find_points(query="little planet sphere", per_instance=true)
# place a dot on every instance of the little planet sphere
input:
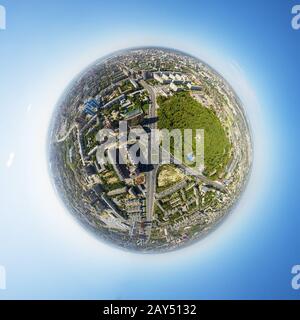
(149, 148)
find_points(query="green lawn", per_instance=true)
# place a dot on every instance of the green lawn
(181, 111)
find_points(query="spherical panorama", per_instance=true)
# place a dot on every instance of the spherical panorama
(149, 148)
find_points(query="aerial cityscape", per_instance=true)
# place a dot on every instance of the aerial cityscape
(112, 185)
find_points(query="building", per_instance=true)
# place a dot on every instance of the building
(118, 162)
(172, 76)
(134, 191)
(126, 104)
(114, 101)
(162, 77)
(99, 167)
(134, 117)
(90, 170)
(165, 77)
(80, 120)
(116, 192)
(111, 205)
(140, 179)
(158, 78)
(146, 75)
(112, 222)
(93, 151)
(179, 79)
(132, 94)
(194, 87)
(136, 157)
(134, 83)
(91, 107)
(173, 87)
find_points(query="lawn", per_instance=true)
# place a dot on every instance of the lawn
(167, 176)
(181, 111)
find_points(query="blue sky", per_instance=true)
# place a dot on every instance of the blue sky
(46, 254)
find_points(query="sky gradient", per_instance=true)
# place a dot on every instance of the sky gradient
(47, 254)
